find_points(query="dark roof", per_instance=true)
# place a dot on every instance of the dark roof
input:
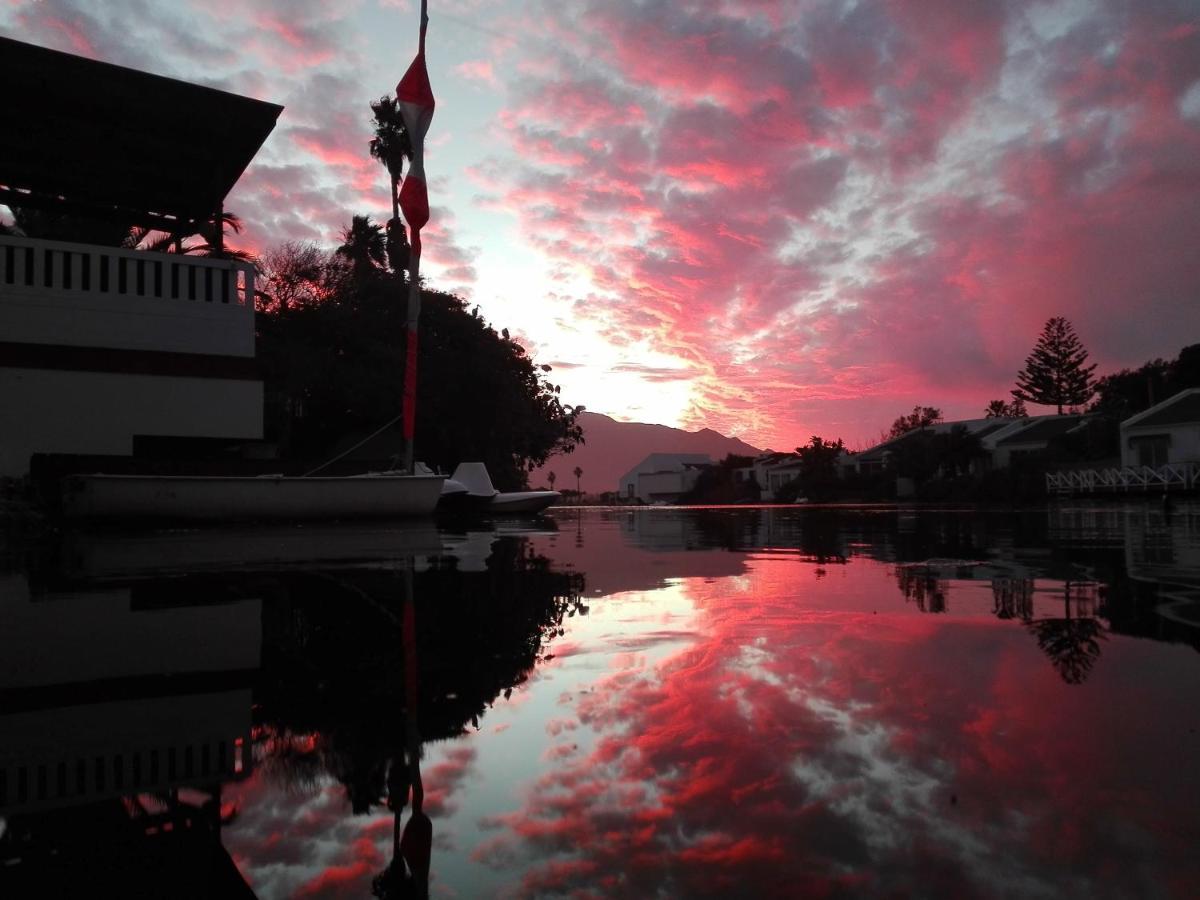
(1043, 430)
(1184, 407)
(96, 139)
(996, 426)
(880, 450)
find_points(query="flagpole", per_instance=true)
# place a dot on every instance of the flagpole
(410, 354)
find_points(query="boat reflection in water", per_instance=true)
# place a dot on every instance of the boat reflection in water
(146, 677)
(757, 702)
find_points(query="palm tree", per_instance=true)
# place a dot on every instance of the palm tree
(211, 233)
(362, 245)
(578, 475)
(551, 477)
(391, 146)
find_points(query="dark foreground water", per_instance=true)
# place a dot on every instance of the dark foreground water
(606, 702)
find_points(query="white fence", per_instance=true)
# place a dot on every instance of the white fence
(53, 292)
(29, 265)
(1173, 476)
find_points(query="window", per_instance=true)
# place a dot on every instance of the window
(1151, 449)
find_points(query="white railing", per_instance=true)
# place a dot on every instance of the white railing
(1181, 476)
(107, 773)
(35, 266)
(85, 295)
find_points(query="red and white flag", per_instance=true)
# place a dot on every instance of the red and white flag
(415, 99)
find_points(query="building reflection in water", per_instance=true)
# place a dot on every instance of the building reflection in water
(142, 676)
(122, 714)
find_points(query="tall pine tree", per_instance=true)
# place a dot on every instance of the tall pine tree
(1054, 373)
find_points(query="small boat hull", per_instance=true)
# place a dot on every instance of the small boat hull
(217, 498)
(469, 492)
(523, 502)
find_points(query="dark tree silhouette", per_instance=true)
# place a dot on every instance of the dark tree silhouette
(920, 417)
(331, 371)
(998, 409)
(294, 275)
(818, 478)
(362, 245)
(578, 475)
(1055, 373)
(213, 244)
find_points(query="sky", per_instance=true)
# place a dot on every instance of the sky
(773, 219)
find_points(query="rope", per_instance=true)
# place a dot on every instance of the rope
(348, 450)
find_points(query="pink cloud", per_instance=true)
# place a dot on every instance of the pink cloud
(479, 70)
(794, 213)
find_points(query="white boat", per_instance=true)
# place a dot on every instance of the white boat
(470, 490)
(219, 498)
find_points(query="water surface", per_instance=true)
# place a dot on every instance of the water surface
(610, 702)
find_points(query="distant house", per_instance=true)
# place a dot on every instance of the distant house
(1166, 433)
(1003, 440)
(877, 458)
(663, 477)
(1029, 437)
(770, 471)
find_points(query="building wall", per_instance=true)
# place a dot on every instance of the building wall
(1184, 442)
(98, 344)
(665, 485)
(56, 411)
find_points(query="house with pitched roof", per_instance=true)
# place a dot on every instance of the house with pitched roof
(1003, 440)
(663, 477)
(1025, 438)
(1166, 433)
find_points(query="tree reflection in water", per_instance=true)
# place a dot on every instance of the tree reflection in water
(360, 667)
(1071, 643)
(922, 587)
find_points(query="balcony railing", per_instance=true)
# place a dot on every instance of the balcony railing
(1178, 476)
(84, 295)
(29, 265)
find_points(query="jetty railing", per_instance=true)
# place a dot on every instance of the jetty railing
(1181, 476)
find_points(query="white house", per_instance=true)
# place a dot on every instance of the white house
(1168, 432)
(104, 351)
(663, 477)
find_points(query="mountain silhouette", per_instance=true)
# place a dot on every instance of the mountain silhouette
(612, 448)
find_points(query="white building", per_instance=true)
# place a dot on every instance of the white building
(771, 471)
(1168, 432)
(105, 351)
(663, 477)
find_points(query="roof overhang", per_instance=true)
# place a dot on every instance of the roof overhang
(95, 139)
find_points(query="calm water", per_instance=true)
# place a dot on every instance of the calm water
(751, 702)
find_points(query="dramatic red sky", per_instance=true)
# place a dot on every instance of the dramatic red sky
(772, 219)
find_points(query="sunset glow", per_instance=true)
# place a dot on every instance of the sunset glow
(770, 219)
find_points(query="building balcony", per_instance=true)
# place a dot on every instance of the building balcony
(80, 295)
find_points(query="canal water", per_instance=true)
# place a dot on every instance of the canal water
(609, 702)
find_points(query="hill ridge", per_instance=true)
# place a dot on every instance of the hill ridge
(611, 448)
